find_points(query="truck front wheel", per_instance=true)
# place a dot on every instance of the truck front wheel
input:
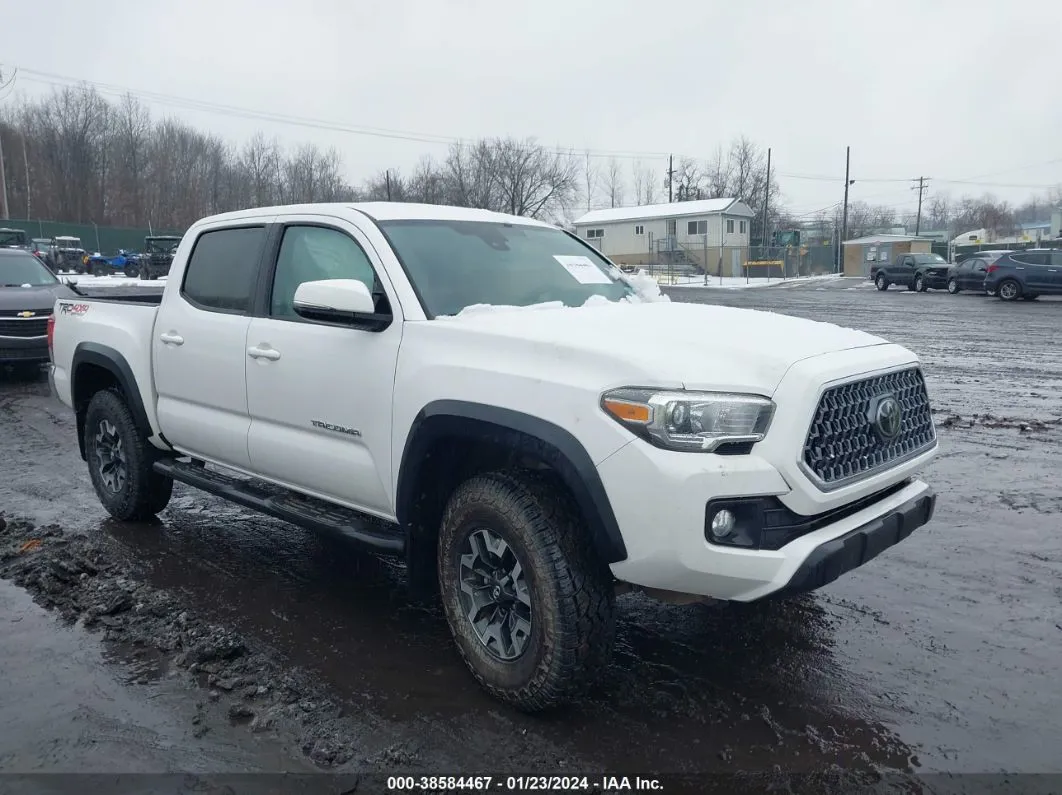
(530, 606)
(120, 460)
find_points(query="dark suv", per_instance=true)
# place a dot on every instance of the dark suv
(1025, 274)
(969, 272)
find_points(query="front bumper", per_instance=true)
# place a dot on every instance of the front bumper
(936, 281)
(23, 349)
(831, 559)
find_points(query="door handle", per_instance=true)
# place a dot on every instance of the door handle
(263, 353)
(171, 339)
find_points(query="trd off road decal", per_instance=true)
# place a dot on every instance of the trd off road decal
(73, 309)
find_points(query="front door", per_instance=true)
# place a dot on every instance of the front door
(200, 343)
(319, 394)
(972, 274)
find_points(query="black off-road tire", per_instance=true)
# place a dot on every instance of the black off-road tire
(144, 492)
(920, 284)
(132, 271)
(571, 590)
(881, 282)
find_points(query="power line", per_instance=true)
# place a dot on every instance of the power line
(65, 81)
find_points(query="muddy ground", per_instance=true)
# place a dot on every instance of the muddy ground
(217, 640)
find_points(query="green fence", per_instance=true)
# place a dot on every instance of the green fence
(105, 239)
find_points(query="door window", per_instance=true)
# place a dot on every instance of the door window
(222, 269)
(1056, 259)
(314, 253)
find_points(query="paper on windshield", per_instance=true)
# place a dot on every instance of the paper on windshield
(582, 269)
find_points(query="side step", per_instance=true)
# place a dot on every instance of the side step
(281, 503)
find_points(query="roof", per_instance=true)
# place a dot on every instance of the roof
(379, 211)
(670, 210)
(862, 241)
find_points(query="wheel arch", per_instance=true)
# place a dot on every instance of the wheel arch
(96, 367)
(450, 440)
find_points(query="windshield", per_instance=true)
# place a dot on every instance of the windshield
(24, 269)
(161, 245)
(929, 259)
(68, 242)
(458, 264)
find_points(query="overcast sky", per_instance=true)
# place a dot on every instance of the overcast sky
(950, 89)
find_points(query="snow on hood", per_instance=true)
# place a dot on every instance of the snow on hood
(700, 346)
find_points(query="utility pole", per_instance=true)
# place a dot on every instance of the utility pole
(25, 165)
(670, 178)
(3, 185)
(387, 177)
(766, 198)
(3, 179)
(844, 216)
(921, 187)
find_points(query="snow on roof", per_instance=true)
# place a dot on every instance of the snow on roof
(671, 210)
(885, 239)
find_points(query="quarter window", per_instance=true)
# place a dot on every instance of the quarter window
(222, 270)
(315, 253)
(1031, 258)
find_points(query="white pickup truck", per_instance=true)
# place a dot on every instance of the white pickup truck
(488, 396)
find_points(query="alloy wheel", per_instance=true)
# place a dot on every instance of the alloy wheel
(494, 594)
(110, 457)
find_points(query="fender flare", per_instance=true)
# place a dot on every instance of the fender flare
(109, 359)
(559, 448)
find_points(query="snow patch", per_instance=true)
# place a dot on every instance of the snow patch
(646, 287)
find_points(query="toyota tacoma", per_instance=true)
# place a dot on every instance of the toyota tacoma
(533, 430)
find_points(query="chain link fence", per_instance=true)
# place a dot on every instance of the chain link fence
(105, 239)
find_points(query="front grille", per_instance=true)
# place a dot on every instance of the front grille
(31, 327)
(843, 445)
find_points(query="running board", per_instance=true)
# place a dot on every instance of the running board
(290, 506)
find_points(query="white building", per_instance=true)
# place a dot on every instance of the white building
(711, 230)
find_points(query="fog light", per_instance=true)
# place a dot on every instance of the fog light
(722, 524)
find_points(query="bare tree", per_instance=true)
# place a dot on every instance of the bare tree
(590, 179)
(614, 183)
(532, 180)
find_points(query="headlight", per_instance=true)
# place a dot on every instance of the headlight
(690, 421)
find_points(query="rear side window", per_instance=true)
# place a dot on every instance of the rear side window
(222, 270)
(1056, 259)
(1030, 258)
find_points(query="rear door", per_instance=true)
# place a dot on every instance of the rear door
(1035, 270)
(320, 394)
(200, 345)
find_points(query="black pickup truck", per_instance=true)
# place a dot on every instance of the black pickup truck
(918, 272)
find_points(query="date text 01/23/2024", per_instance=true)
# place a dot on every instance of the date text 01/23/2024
(441, 784)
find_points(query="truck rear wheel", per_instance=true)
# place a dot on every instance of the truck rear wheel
(120, 460)
(530, 606)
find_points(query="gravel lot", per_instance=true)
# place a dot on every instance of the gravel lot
(218, 640)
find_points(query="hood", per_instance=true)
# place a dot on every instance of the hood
(34, 299)
(697, 346)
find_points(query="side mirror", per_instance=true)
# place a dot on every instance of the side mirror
(67, 281)
(345, 301)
